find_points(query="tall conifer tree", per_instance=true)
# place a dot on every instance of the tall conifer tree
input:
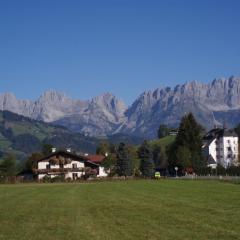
(146, 160)
(186, 150)
(124, 163)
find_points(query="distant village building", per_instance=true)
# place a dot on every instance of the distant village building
(68, 165)
(220, 146)
(173, 132)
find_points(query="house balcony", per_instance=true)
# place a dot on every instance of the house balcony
(57, 170)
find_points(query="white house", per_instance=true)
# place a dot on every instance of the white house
(68, 165)
(220, 146)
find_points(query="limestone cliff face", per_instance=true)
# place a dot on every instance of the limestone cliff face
(99, 116)
(211, 104)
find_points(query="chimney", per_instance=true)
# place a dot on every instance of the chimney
(68, 149)
(54, 150)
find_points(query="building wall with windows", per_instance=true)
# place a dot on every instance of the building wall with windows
(222, 146)
(65, 164)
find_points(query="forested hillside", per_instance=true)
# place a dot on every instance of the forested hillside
(21, 136)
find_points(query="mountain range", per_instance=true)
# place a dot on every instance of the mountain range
(212, 104)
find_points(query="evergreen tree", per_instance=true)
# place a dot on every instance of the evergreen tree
(9, 166)
(124, 163)
(183, 157)
(146, 160)
(103, 148)
(163, 131)
(190, 134)
(186, 151)
(47, 149)
(159, 157)
(32, 161)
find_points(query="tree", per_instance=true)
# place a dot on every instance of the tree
(109, 151)
(146, 160)
(124, 163)
(103, 148)
(186, 151)
(9, 166)
(190, 134)
(32, 161)
(163, 131)
(47, 149)
(183, 157)
(135, 160)
(159, 157)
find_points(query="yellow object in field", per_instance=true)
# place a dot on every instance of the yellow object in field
(157, 175)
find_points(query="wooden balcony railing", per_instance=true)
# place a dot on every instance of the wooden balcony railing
(58, 170)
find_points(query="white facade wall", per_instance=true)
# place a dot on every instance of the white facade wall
(224, 150)
(212, 150)
(102, 172)
(42, 165)
(70, 174)
(41, 176)
(230, 151)
(75, 164)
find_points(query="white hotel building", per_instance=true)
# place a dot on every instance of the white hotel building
(220, 146)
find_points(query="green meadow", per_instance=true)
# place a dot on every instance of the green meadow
(134, 209)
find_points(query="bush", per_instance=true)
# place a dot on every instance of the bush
(58, 179)
(46, 179)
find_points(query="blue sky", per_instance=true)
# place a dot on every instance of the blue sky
(86, 48)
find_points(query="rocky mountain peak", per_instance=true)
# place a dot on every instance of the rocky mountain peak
(110, 102)
(53, 96)
(217, 101)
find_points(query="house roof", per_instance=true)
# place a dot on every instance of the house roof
(96, 158)
(219, 132)
(69, 155)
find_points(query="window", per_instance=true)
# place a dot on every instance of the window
(75, 176)
(61, 165)
(228, 141)
(229, 148)
(229, 155)
(48, 166)
(74, 165)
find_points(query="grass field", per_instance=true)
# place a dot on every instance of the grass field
(163, 142)
(144, 209)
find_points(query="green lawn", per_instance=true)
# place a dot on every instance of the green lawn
(144, 209)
